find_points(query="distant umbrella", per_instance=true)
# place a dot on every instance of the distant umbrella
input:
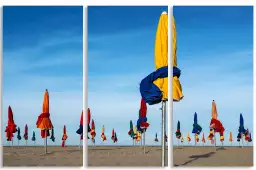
(188, 138)
(93, 133)
(80, 130)
(250, 138)
(203, 139)
(64, 136)
(103, 136)
(156, 139)
(113, 135)
(26, 134)
(18, 135)
(131, 132)
(178, 133)
(196, 127)
(11, 127)
(115, 138)
(34, 137)
(88, 121)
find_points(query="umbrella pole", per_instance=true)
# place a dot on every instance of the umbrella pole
(144, 135)
(18, 143)
(34, 143)
(12, 142)
(242, 140)
(163, 132)
(46, 141)
(195, 140)
(215, 140)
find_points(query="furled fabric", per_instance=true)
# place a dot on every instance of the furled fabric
(156, 139)
(80, 130)
(64, 136)
(18, 135)
(131, 132)
(154, 87)
(142, 124)
(52, 135)
(230, 137)
(93, 132)
(115, 138)
(113, 135)
(11, 126)
(188, 138)
(203, 139)
(178, 133)
(103, 134)
(44, 122)
(196, 127)
(33, 137)
(26, 132)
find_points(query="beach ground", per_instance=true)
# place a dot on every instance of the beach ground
(209, 156)
(125, 156)
(35, 156)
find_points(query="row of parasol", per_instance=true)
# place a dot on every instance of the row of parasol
(43, 123)
(92, 131)
(215, 127)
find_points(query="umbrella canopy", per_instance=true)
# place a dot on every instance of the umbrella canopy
(64, 136)
(188, 138)
(138, 136)
(80, 130)
(196, 127)
(11, 126)
(18, 135)
(230, 137)
(215, 123)
(115, 138)
(113, 135)
(26, 132)
(156, 139)
(154, 87)
(142, 124)
(103, 134)
(131, 132)
(203, 139)
(44, 122)
(33, 137)
(178, 134)
(241, 126)
(93, 133)
(176, 88)
(52, 135)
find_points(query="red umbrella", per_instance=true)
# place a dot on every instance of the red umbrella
(113, 135)
(11, 127)
(143, 114)
(26, 133)
(88, 122)
(64, 137)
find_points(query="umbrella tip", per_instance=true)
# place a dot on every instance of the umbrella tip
(164, 12)
(213, 100)
(46, 89)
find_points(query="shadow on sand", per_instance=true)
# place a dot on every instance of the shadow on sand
(195, 157)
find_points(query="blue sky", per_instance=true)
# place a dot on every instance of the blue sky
(43, 48)
(120, 54)
(215, 55)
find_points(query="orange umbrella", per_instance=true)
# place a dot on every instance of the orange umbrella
(64, 137)
(203, 139)
(43, 121)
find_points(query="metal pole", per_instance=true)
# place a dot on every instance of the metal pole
(45, 141)
(163, 132)
(195, 139)
(242, 140)
(144, 134)
(12, 142)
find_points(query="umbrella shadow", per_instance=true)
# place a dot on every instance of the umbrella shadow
(196, 157)
(221, 148)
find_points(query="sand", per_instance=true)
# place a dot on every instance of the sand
(34, 156)
(124, 156)
(208, 156)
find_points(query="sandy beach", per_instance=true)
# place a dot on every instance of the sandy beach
(208, 156)
(124, 156)
(35, 156)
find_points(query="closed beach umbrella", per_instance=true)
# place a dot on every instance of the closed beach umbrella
(156, 139)
(64, 137)
(188, 138)
(131, 132)
(230, 138)
(18, 135)
(103, 136)
(88, 122)
(178, 133)
(215, 124)
(44, 122)
(26, 133)
(115, 138)
(80, 130)
(93, 132)
(113, 135)
(34, 138)
(203, 139)
(196, 128)
(11, 126)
